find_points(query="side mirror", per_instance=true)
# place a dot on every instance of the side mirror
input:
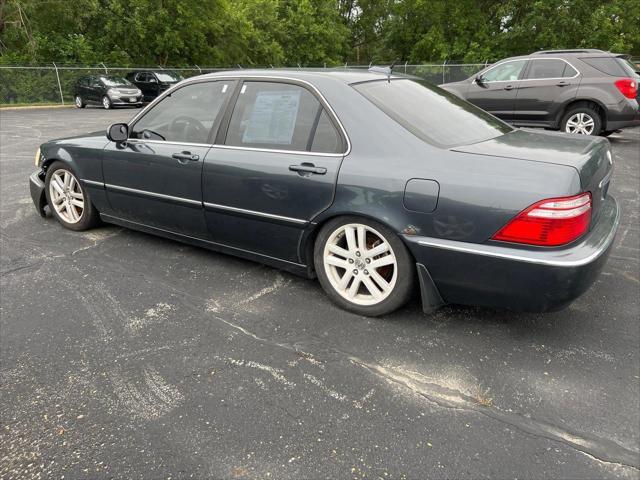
(479, 79)
(118, 132)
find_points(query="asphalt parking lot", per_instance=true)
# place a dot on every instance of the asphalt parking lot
(125, 355)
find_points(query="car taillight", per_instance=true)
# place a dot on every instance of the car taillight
(550, 222)
(628, 87)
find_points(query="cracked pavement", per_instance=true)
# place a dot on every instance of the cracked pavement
(124, 355)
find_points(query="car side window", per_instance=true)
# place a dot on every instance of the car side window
(141, 77)
(280, 116)
(326, 138)
(186, 115)
(508, 71)
(549, 68)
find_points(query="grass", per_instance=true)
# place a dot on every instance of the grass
(43, 104)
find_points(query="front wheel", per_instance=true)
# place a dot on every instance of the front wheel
(106, 103)
(363, 266)
(79, 102)
(69, 202)
(582, 120)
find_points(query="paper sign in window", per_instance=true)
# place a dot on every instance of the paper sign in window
(273, 118)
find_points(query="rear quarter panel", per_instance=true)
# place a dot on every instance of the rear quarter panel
(478, 193)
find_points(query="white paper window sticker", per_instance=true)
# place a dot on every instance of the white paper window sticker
(273, 118)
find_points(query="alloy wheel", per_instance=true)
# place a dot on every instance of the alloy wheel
(78, 101)
(581, 123)
(66, 196)
(106, 103)
(360, 264)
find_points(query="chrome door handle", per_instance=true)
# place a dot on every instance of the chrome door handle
(509, 87)
(307, 168)
(184, 157)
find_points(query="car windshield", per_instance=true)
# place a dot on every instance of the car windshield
(431, 114)
(168, 77)
(115, 81)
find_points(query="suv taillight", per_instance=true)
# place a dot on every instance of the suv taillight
(628, 87)
(549, 223)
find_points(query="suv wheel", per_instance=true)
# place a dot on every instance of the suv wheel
(582, 120)
(106, 103)
(79, 102)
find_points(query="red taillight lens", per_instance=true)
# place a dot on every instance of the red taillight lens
(551, 222)
(628, 87)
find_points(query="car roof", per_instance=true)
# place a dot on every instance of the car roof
(347, 76)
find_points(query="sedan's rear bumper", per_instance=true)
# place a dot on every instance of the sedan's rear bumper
(513, 278)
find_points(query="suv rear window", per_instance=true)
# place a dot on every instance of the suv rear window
(431, 114)
(614, 66)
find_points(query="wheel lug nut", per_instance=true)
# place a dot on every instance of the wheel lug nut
(351, 260)
(368, 260)
(366, 272)
(357, 254)
(355, 271)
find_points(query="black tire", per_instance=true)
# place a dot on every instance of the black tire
(584, 108)
(80, 102)
(607, 133)
(405, 277)
(106, 103)
(89, 217)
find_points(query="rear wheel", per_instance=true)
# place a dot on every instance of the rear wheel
(363, 266)
(69, 202)
(106, 103)
(581, 119)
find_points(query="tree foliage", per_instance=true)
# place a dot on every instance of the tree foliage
(306, 32)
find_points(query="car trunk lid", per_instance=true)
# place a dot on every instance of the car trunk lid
(590, 156)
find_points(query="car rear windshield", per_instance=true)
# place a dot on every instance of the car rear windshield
(614, 66)
(433, 115)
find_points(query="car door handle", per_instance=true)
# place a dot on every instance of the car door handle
(184, 157)
(307, 168)
(509, 87)
(562, 84)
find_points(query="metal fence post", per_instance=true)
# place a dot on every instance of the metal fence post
(405, 67)
(59, 85)
(443, 65)
(199, 70)
(105, 67)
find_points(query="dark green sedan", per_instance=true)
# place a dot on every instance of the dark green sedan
(380, 186)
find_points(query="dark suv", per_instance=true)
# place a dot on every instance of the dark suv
(589, 92)
(106, 90)
(153, 83)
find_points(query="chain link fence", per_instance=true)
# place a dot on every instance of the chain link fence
(53, 84)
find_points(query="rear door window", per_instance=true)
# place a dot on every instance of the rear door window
(549, 68)
(431, 114)
(281, 116)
